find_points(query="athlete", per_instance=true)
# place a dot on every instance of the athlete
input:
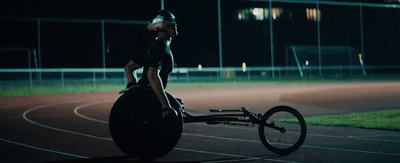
(158, 62)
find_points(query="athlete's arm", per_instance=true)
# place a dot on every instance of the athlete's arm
(156, 83)
(130, 73)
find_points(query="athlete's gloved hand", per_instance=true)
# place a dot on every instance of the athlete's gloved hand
(180, 101)
(168, 113)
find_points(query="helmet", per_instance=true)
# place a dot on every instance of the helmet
(163, 16)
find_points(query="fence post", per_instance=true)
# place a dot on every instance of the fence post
(187, 77)
(280, 77)
(124, 78)
(62, 79)
(29, 67)
(94, 78)
(30, 79)
(103, 51)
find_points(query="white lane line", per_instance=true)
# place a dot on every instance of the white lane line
(110, 139)
(351, 150)
(303, 146)
(43, 149)
(354, 138)
(306, 146)
(382, 135)
(252, 129)
(58, 129)
(245, 158)
(222, 138)
(180, 149)
(86, 117)
(308, 134)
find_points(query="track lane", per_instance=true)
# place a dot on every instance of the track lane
(196, 138)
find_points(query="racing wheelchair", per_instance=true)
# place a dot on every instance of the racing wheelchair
(138, 129)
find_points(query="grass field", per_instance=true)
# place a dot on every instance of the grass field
(389, 119)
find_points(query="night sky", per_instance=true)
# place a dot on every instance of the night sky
(79, 45)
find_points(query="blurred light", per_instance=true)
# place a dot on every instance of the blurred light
(108, 49)
(244, 66)
(361, 61)
(240, 17)
(307, 62)
(200, 67)
(276, 12)
(244, 14)
(313, 14)
(258, 13)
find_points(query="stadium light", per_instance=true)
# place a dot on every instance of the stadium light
(240, 17)
(199, 67)
(257, 11)
(244, 66)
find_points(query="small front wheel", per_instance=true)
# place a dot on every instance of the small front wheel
(282, 130)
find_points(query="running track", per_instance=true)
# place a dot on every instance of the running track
(74, 127)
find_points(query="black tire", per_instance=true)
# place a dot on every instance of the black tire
(137, 127)
(292, 135)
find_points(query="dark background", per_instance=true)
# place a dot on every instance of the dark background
(79, 45)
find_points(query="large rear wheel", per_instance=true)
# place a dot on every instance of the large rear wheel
(137, 127)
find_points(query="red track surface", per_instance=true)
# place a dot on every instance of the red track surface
(73, 128)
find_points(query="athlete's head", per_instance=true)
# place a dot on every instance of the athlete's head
(164, 22)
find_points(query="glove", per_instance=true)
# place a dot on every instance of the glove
(168, 113)
(180, 102)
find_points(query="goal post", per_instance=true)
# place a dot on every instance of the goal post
(19, 57)
(323, 58)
